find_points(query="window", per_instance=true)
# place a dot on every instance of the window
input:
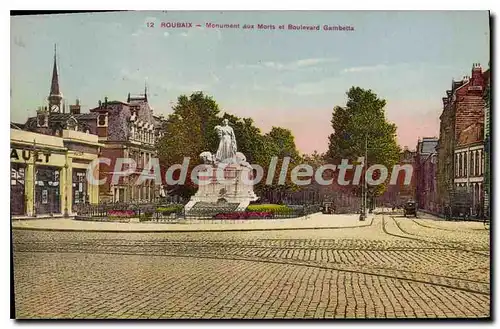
(471, 163)
(459, 165)
(17, 200)
(464, 164)
(481, 163)
(102, 120)
(477, 164)
(47, 197)
(79, 186)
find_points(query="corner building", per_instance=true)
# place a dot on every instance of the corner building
(127, 130)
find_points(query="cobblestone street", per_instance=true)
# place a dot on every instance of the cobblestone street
(395, 267)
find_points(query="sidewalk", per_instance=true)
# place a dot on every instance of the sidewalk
(314, 221)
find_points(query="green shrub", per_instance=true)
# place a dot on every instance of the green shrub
(167, 210)
(274, 208)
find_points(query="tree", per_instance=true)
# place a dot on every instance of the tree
(279, 142)
(188, 131)
(363, 118)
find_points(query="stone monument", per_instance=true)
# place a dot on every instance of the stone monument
(226, 177)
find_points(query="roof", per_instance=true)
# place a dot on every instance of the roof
(56, 121)
(86, 116)
(19, 126)
(103, 106)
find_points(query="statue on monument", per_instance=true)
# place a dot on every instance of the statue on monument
(235, 189)
(228, 149)
(227, 145)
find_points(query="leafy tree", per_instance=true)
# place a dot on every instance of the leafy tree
(190, 130)
(280, 143)
(362, 121)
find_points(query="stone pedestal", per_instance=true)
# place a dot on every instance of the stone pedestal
(231, 183)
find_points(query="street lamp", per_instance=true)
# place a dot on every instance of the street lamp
(362, 215)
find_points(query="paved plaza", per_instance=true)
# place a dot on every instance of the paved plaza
(389, 267)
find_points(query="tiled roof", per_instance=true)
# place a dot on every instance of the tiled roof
(86, 116)
(56, 120)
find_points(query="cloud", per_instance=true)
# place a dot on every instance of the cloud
(316, 87)
(135, 75)
(166, 34)
(307, 63)
(184, 34)
(137, 33)
(357, 69)
(215, 78)
(185, 88)
(314, 61)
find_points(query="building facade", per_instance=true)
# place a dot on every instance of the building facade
(487, 144)
(50, 155)
(127, 130)
(400, 192)
(48, 173)
(426, 174)
(462, 116)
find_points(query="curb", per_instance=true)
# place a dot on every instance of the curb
(189, 231)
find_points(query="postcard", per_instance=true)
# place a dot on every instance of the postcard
(251, 165)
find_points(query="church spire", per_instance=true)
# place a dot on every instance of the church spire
(146, 91)
(55, 95)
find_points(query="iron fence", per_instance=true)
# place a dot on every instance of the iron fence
(123, 212)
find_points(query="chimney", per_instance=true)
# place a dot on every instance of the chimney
(75, 109)
(477, 75)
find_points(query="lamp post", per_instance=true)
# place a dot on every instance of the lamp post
(362, 215)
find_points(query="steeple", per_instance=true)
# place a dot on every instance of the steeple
(146, 91)
(55, 95)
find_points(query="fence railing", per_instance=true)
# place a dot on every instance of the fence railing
(175, 212)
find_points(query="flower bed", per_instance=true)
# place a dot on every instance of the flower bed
(121, 213)
(245, 215)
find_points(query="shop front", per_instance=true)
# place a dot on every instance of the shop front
(48, 178)
(17, 188)
(47, 190)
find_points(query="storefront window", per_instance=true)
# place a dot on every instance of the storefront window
(47, 196)
(17, 185)
(80, 192)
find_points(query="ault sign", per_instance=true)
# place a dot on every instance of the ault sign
(26, 155)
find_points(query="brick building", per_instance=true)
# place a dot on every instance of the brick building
(399, 193)
(124, 130)
(425, 174)
(127, 130)
(487, 144)
(460, 145)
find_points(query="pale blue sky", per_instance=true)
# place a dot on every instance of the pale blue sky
(285, 78)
